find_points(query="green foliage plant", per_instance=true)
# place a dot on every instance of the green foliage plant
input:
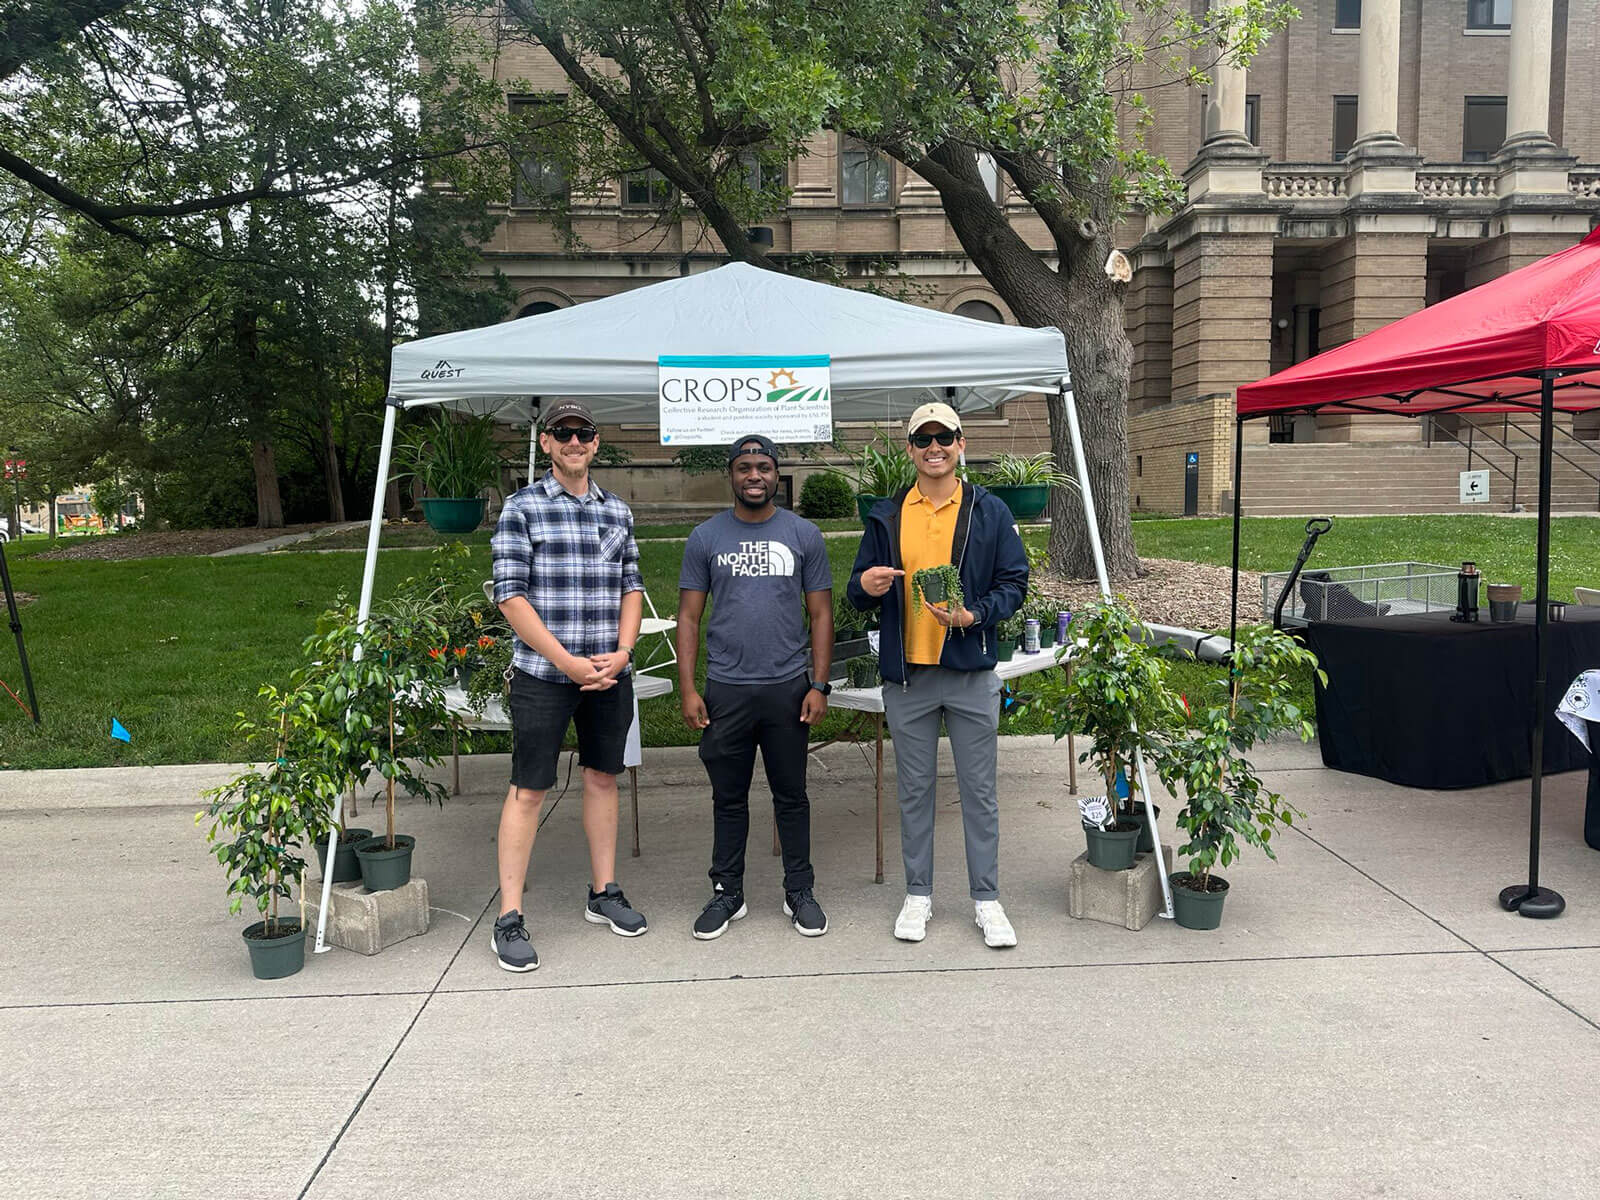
(1023, 470)
(954, 597)
(452, 457)
(1010, 629)
(824, 496)
(1226, 802)
(881, 467)
(1116, 695)
(259, 817)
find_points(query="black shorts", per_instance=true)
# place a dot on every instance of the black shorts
(540, 713)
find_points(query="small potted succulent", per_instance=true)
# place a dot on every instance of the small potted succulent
(1009, 635)
(862, 672)
(258, 820)
(1225, 801)
(938, 585)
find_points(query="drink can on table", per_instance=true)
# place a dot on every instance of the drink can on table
(1030, 636)
(1063, 619)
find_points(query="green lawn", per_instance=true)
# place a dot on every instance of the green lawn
(173, 647)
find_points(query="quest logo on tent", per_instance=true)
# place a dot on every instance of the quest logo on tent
(441, 370)
(710, 398)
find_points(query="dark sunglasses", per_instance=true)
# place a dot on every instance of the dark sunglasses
(565, 433)
(923, 440)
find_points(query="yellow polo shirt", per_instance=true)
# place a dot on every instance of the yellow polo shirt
(926, 532)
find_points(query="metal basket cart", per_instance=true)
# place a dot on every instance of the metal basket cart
(1357, 593)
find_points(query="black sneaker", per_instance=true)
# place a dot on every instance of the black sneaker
(802, 908)
(611, 907)
(511, 945)
(714, 918)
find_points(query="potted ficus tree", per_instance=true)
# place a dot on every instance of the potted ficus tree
(1117, 696)
(454, 458)
(258, 819)
(1225, 801)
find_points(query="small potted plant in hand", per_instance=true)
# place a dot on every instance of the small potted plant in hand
(257, 820)
(938, 585)
(1225, 801)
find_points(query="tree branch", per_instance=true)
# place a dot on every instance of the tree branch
(35, 29)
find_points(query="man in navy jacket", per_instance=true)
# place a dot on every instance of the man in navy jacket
(937, 661)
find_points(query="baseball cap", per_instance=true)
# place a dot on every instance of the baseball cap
(942, 413)
(754, 443)
(569, 408)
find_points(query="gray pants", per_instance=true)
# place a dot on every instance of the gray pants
(969, 703)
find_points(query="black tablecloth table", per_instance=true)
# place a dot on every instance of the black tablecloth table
(1426, 702)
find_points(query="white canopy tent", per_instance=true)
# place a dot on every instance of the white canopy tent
(885, 358)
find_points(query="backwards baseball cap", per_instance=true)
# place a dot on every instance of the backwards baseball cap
(569, 408)
(943, 414)
(754, 443)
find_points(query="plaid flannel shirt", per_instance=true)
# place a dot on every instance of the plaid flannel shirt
(574, 558)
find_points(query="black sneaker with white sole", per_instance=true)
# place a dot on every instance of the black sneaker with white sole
(802, 908)
(611, 907)
(511, 945)
(713, 921)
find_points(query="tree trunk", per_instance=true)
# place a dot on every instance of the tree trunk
(55, 515)
(269, 503)
(330, 461)
(1086, 305)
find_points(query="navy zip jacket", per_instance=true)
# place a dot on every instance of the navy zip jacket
(988, 553)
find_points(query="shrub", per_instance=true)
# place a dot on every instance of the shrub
(825, 495)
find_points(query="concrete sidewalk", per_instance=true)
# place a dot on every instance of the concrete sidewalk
(1366, 1022)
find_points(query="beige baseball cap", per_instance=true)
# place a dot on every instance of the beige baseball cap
(943, 414)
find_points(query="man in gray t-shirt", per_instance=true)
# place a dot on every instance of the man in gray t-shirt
(761, 566)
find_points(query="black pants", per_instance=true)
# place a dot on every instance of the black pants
(744, 717)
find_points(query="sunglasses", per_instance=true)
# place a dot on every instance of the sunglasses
(565, 433)
(923, 440)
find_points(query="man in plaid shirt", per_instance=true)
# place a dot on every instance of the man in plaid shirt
(566, 576)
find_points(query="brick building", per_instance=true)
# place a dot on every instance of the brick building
(1378, 156)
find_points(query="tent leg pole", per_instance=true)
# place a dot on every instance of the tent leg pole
(1530, 899)
(1080, 463)
(369, 570)
(1238, 512)
(1085, 492)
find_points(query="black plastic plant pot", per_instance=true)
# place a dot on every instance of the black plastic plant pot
(1195, 909)
(1111, 849)
(345, 867)
(382, 869)
(932, 589)
(276, 957)
(1147, 844)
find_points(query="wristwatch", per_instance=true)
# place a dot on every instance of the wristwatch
(629, 651)
(824, 687)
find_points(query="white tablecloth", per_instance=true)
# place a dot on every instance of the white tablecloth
(495, 717)
(871, 699)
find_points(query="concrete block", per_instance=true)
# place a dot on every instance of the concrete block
(1127, 898)
(366, 922)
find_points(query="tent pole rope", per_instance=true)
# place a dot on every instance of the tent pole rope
(369, 569)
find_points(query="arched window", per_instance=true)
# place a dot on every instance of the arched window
(980, 310)
(537, 307)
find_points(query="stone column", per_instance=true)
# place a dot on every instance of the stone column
(1378, 110)
(1225, 108)
(1528, 101)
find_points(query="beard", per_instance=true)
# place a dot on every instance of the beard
(744, 501)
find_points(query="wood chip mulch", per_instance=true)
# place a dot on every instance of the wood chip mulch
(1191, 595)
(162, 544)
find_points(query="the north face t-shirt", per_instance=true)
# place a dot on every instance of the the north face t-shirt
(757, 575)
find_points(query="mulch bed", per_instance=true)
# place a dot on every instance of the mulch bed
(1191, 595)
(163, 544)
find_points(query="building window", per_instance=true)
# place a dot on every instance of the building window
(1138, 465)
(863, 174)
(1252, 117)
(758, 175)
(538, 307)
(645, 189)
(1483, 128)
(992, 181)
(539, 176)
(980, 310)
(1344, 126)
(1488, 14)
(1347, 14)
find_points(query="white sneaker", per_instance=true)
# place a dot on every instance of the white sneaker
(912, 923)
(991, 918)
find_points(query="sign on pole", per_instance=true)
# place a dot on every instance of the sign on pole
(1474, 487)
(712, 399)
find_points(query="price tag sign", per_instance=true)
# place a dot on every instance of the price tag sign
(711, 399)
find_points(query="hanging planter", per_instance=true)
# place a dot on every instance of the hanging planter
(455, 459)
(451, 514)
(1027, 501)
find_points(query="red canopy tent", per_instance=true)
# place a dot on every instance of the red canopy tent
(1526, 342)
